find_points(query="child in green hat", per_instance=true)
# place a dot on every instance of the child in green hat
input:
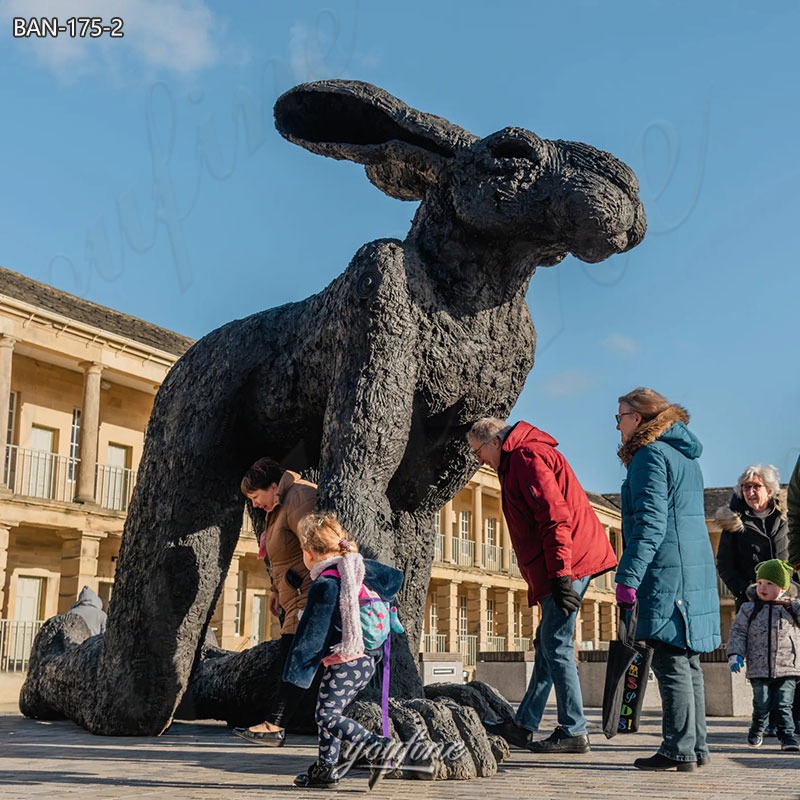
(771, 614)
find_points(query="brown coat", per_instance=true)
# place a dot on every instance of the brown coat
(296, 499)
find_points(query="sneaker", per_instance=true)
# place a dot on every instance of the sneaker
(755, 738)
(661, 763)
(703, 760)
(559, 741)
(319, 776)
(771, 731)
(790, 744)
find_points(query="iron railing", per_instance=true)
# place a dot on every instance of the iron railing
(438, 548)
(495, 644)
(463, 551)
(37, 473)
(468, 647)
(492, 557)
(434, 643)
(114, 487)
(16, 641)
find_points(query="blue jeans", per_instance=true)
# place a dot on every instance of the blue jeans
(773, 694)
(680, 681)
(554, 666)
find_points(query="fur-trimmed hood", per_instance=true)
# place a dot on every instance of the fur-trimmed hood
(659, 427)
(730, 516)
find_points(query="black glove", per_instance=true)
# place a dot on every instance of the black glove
(564, 596)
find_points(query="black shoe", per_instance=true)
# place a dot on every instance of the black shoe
(703, 761)
(790, 744)
(266, 738)
(771, 731)
(510, 731)
(376, 775)
(755, 738)
(319, 776)
(381, 765)
(660, 763)
(559, 741)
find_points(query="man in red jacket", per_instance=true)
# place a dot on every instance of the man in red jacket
(560, 546)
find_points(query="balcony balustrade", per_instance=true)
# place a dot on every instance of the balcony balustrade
(16, 640)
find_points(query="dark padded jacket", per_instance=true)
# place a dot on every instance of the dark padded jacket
(317, 631)
(747, 540)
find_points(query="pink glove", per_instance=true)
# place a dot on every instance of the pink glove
(626, 597)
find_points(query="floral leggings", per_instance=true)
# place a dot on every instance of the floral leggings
(340, 684)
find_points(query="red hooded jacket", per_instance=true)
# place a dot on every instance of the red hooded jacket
(553, 528)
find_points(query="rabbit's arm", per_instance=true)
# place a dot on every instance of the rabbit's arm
(369, 409)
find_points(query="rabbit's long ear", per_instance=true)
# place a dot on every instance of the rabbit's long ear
(403, 149)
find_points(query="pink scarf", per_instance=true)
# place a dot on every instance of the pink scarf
(351, 572)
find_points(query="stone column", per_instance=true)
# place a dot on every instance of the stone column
(590, 612)
(608, 622)
(79, 554)
(530, 618)
(476, 612)
(477, 525)
(6, 351)
(449, 521)
(5, 534)
(447, 609)
(228, 634)
(505, 612)
(505, 541)
(90, 430)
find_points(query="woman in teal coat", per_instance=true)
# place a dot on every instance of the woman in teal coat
(668, 566)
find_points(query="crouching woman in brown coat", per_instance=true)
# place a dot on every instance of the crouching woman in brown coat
(286, 499)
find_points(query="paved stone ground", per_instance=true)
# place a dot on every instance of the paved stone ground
(196, 761)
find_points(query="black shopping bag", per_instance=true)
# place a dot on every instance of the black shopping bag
(626, 677)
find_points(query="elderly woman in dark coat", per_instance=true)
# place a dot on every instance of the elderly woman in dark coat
(754, 528)
(668, 567)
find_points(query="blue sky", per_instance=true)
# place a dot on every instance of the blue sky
(144, 173)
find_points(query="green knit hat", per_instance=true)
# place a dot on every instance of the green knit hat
(775, 570)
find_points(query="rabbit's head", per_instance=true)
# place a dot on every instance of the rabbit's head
(552, 197)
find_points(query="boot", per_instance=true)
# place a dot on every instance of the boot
(319, 776)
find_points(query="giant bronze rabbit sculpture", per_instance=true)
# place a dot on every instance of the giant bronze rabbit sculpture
(374, 381)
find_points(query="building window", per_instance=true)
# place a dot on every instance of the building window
(258, 624)
(517, 620)
(12, 417)
(41, 462)
(104, 589)
(74, 441)
(491, 531)
(463, 620)
(238, 616)
(433, 618)
(490, 617)
(463, 527)
(10, 466)
(114, 478)
(29, 602)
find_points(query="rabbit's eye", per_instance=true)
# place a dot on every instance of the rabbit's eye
(513, 149)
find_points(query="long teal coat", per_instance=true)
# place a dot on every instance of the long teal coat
(668, 557)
